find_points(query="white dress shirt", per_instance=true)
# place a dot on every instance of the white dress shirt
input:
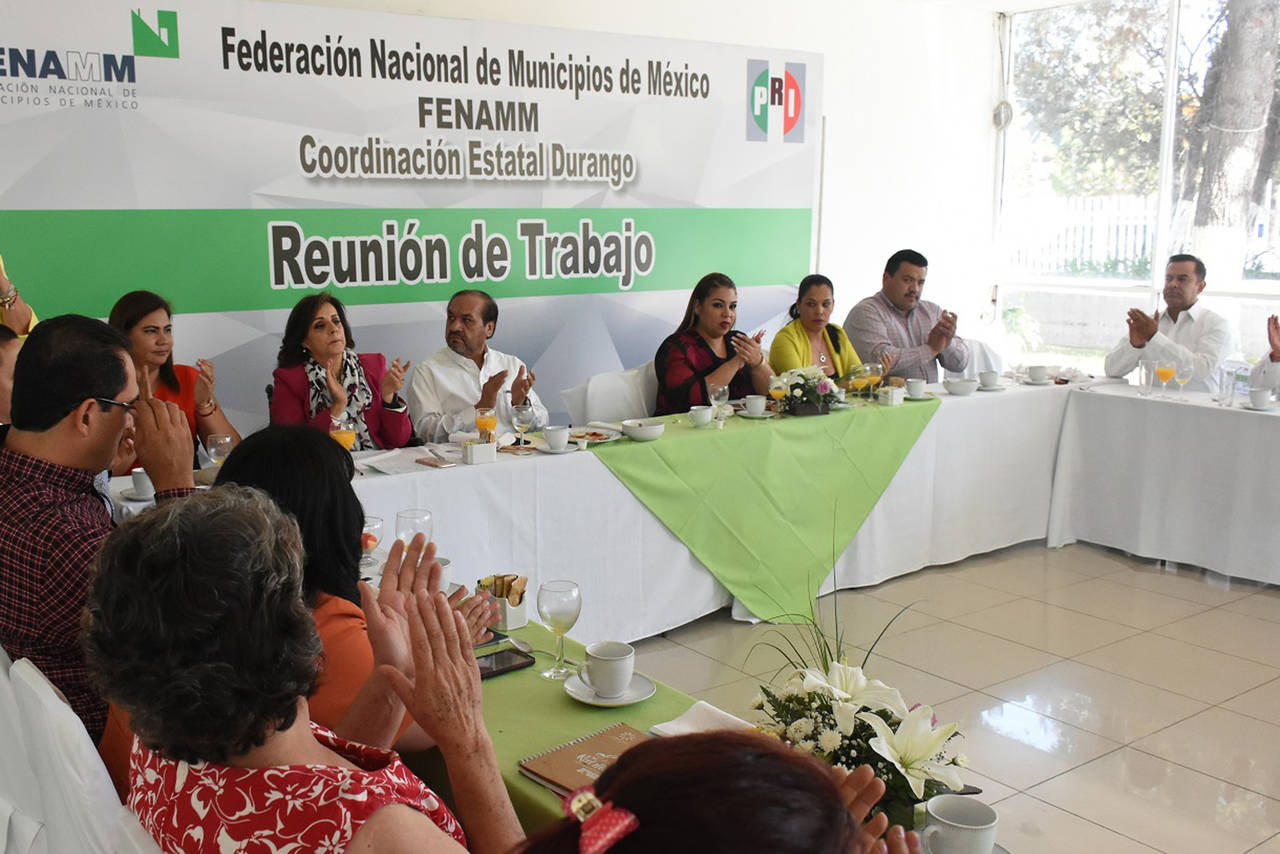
(445, 387)
(1265, 374)
(1199, 336)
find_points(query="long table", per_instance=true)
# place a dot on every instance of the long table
(1189, 482)
(978, 479)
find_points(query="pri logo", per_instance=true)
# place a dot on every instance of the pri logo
(775, 100)
(160, 42)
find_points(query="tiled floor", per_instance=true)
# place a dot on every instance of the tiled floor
(1108, 704)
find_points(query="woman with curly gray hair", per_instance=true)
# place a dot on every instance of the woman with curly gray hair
(196, 626)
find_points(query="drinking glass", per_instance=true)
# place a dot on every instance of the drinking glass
(875, 376)
(719, 399)
(370, 536)
(219, 447)
(412, 521)
(777, 390)
(344, 432)
(486, 423)
(1146, 377)
(860, 379)
(1164, 373)
(1182, 372)
(559, 604)
(523, 418)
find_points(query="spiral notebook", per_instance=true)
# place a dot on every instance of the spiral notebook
(579, 762)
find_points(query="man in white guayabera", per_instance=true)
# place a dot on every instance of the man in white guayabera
(1187, 335)
(449, 386)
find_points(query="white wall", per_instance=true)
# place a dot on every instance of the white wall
(908, 94)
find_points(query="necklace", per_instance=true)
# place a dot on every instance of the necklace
(822, 358)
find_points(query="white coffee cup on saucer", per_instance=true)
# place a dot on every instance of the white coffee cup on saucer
(989, 379)
(754, 403)
(557, 438)
(915, 387)
(958, 824)
(608, 668)
(1260, 398)
(701, 415)
(1038, 373)
(142, 486)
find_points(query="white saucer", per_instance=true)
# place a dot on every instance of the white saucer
(1252, 408)
(991, 388)
(1035, 382)
(567, 449)
(745, 414)
(641, 688)
(928, 395)
(128, 494)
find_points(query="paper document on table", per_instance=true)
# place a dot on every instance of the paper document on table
(400, 461)
(701, 717)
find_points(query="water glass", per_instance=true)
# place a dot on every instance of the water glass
(413, 521)
(719, 399)
(1146, 377)
(218, 445)
(559, 604)
(523, 418)
(1226, 393)
(370, 536)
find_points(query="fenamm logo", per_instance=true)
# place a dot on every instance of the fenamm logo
(776, 100)
(160, 42)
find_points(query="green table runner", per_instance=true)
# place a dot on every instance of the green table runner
(768, 505)
(526, 714)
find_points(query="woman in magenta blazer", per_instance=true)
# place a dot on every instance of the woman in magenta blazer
(320, 378)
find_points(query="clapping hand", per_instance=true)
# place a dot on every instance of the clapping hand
(520, 386)
(861, 790)
(408, 570)
(204, 384)
(887, 361)
(393, 380)
(749, 348)
(337, 392)
(489, 391)
(942, 332)
(1142, 327)
(1273, 336)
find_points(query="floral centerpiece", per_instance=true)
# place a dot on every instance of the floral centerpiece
(808, 391)
(839, 715)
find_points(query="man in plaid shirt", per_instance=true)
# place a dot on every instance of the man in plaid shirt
(917, 333)
(75, 402)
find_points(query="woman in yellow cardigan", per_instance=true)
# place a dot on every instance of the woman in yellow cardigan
(809, 339)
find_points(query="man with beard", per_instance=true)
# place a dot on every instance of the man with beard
(468, 374)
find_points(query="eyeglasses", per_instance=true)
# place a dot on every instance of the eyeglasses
(126, 405)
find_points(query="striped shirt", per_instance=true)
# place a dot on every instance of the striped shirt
(876, 326)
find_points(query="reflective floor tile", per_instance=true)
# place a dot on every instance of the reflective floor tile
(1055, 630)
(1183, 668)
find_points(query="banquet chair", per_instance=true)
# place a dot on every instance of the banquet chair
(21, 824)
(632, 393)
(982, 357)
(81, 809)
(575, 402)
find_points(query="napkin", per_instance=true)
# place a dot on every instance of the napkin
(462, 437)
(701, 717)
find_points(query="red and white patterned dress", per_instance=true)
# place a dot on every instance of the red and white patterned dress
(292, 808)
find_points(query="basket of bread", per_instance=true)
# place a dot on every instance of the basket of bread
(509, 592)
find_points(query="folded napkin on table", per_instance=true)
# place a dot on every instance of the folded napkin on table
(701, 717)
(462, 437)
(605, 425)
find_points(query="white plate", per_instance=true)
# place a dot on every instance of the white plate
(928, 395)
(641, 688)
(1034, 382)
(613, 435)
(129, 495)
(1252, 408)
(567, 449)
(754, 417)
(992, 387)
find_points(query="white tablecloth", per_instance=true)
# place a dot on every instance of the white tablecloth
(1187, 482)
(978, 479)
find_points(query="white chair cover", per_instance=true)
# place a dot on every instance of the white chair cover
(575, 402)
(21, 817)
(81, 809)
(982, 357)
(622, 394)
(131, 837)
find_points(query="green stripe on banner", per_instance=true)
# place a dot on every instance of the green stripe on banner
(220, 260)
(767, 506)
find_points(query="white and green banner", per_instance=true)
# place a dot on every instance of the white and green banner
(235, 156)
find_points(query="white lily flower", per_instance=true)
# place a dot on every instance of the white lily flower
(846, 715)
(914, 747)
(850, 684)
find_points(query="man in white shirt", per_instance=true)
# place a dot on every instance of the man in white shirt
(1187, 332)
(451, 384)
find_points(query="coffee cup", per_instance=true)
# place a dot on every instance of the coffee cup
(701, 415)
(1037, 373)
(754, 404)
(557, 438)
(142, 486)
(915, 387)
(446, 573)
(989, 379)
(1260, 398)
(958, 824)
(608, 668)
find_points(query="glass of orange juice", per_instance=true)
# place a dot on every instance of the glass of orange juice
(344, 432)
(1164, 373)
(487, 423)
(875, 375)
(777, 391)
